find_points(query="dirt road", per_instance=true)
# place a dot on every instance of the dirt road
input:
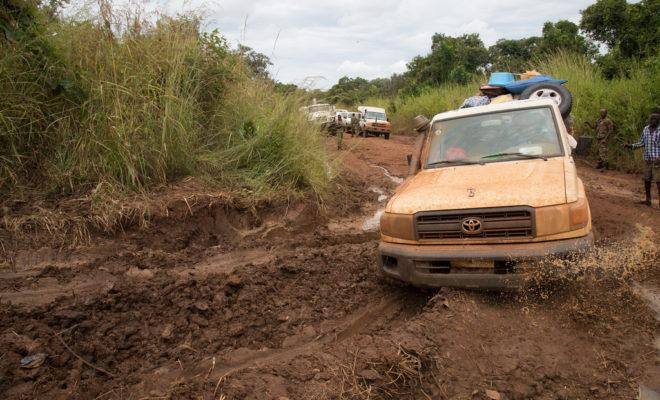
(222, 301)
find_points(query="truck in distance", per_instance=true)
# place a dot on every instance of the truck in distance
(373, 122)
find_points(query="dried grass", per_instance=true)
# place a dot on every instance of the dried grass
(397, 375)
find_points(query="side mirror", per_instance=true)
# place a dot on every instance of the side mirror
(388, 119)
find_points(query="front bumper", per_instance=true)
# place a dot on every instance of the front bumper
(402, 261)
(376, 129)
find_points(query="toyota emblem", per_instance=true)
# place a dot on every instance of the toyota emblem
(472, 226)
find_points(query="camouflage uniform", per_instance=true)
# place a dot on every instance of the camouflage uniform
(340, 137)
(355, 125)
(604, 128)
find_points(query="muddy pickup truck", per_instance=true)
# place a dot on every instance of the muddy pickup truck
(374, 122)
(322, 114)
(491, 188)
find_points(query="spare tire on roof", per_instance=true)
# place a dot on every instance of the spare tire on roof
(553, 91)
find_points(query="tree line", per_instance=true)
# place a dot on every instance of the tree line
(612, 33)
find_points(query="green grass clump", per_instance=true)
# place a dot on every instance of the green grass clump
(142, 105)
(270, 143)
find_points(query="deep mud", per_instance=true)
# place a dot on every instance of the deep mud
(217, 300)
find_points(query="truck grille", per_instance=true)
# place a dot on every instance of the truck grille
(505, 223)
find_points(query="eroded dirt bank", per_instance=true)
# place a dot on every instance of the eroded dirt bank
(286, 302)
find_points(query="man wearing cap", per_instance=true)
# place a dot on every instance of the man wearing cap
(650, 141)
(604, 128)
(355, 124)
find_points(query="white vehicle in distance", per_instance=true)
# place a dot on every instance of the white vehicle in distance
(323, 114)
(373, 122)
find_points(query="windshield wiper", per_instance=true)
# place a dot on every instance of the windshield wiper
(456, 162)
(530, 156)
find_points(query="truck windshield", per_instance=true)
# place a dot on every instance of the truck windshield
(376, 115)
(494, 137)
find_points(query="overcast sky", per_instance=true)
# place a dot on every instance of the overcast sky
(367, 38)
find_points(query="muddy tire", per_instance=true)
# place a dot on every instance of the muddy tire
(387, 136)
(553, 91)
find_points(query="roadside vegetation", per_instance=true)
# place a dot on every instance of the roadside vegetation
(629, 99)
(119, 104)
(623, 76)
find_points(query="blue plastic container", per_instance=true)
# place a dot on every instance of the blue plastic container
(517, 87)
(501, 79)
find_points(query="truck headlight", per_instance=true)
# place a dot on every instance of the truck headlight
(578, 214)
(397, 225)
(562, 218)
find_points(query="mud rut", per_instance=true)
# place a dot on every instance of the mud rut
(157, 321)
(273, 309)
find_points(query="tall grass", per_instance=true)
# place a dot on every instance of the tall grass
(630, 100)
(143, 105)
(270, 144)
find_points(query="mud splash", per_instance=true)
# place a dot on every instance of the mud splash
(622, 261)
(372, 223)
(620, 265)
(395, 179)
(382, 196)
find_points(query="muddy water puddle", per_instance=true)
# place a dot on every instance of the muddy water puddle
(228, 263)
(395, 179)
(371, 223)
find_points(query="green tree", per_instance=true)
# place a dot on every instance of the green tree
(350, 91)
(451, 59)
(257, 62)
(515, 55)
(564, 35)
(630, 31)
(286, 88)
(512, 55)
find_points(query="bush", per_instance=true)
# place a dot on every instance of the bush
(141, 105)
(270, 144)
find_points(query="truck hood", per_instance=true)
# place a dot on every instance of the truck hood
(534, 183)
